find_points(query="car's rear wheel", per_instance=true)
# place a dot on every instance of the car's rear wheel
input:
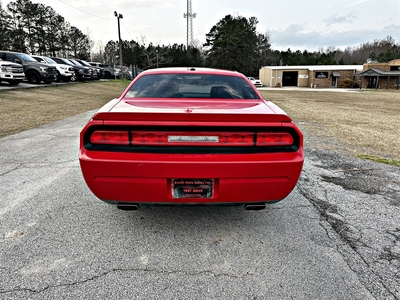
(33, 77)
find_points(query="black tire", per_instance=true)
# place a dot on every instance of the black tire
(48, 82)
(58, 77)
(33, 77)
(66, 78)
(15, 82)
(107, 75)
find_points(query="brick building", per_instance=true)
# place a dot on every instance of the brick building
(371, 75)
(380, 75)
(309, 76)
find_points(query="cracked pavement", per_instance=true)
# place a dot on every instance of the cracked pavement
(335, 237)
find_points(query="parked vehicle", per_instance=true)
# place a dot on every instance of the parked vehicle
(92, 73)
(65, 72)
(109, 71)
(11, 72)
(81, 73)
(98, 70)
(35, 72)
(256, 82)
(191, 136)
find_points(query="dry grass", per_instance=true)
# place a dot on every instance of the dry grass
(363, 123)
(23, 109)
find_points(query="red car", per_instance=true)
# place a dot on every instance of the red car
(191, 136)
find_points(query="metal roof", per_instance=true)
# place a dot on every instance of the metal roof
(318, 68)
(378, 72)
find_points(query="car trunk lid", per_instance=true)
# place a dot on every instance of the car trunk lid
(193, 110)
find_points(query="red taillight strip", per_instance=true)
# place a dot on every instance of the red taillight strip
(274, 139)
(163, 138)
(192, 139)
(110, 137)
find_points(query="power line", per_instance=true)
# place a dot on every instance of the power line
(127, 31)
(84, 11)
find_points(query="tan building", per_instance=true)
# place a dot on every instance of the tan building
(371, 75)
(309, 76)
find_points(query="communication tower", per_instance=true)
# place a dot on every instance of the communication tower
(189, 23)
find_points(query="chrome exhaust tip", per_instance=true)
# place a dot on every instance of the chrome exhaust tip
(254, 206)
(128, 206)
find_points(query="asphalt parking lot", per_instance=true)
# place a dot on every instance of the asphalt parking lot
(336, 236)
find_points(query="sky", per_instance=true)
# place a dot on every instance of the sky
(296, 24)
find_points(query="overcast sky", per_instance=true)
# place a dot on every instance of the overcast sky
(295, 24)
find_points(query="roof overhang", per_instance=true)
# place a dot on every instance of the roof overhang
(377, 72)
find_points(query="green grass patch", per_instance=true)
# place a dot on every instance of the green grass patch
(379, 159)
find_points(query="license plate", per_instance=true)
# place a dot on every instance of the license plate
(192, 188)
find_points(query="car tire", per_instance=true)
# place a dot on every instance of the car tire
(15, 82)
(33, 77)
(66, 78)
(47, 82)
(107, 75)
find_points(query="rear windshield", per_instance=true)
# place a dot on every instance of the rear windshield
(191, 86)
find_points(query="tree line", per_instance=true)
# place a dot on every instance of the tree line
(233, 43)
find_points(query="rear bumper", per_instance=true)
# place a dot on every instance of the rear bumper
(147, 178)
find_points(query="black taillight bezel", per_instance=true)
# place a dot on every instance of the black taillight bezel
(191, 149)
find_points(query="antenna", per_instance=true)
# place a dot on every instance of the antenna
(189, 23)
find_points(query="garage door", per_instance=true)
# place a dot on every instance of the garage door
(290, 78)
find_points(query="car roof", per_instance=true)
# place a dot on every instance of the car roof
(192, 70)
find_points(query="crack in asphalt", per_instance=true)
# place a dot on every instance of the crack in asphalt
(95, 277)
(338, 223)
(36, 165)
(9, 171)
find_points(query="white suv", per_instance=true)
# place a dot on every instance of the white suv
(65, 72)
(11, 72)
(256, 82)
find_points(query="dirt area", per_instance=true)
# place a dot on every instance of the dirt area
(22, 109)
(363, 123)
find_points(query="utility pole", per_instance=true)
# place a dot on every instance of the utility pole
(119, 16)
(189, 24)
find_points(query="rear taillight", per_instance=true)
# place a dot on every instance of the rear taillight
(193, 139)
(110, 137)
(274, 139)
(218, 139)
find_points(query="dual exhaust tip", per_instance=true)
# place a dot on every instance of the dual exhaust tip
(249, 206)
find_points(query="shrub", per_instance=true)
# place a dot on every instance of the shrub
(346, 83)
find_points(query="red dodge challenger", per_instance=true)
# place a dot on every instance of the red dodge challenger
(191, 136)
